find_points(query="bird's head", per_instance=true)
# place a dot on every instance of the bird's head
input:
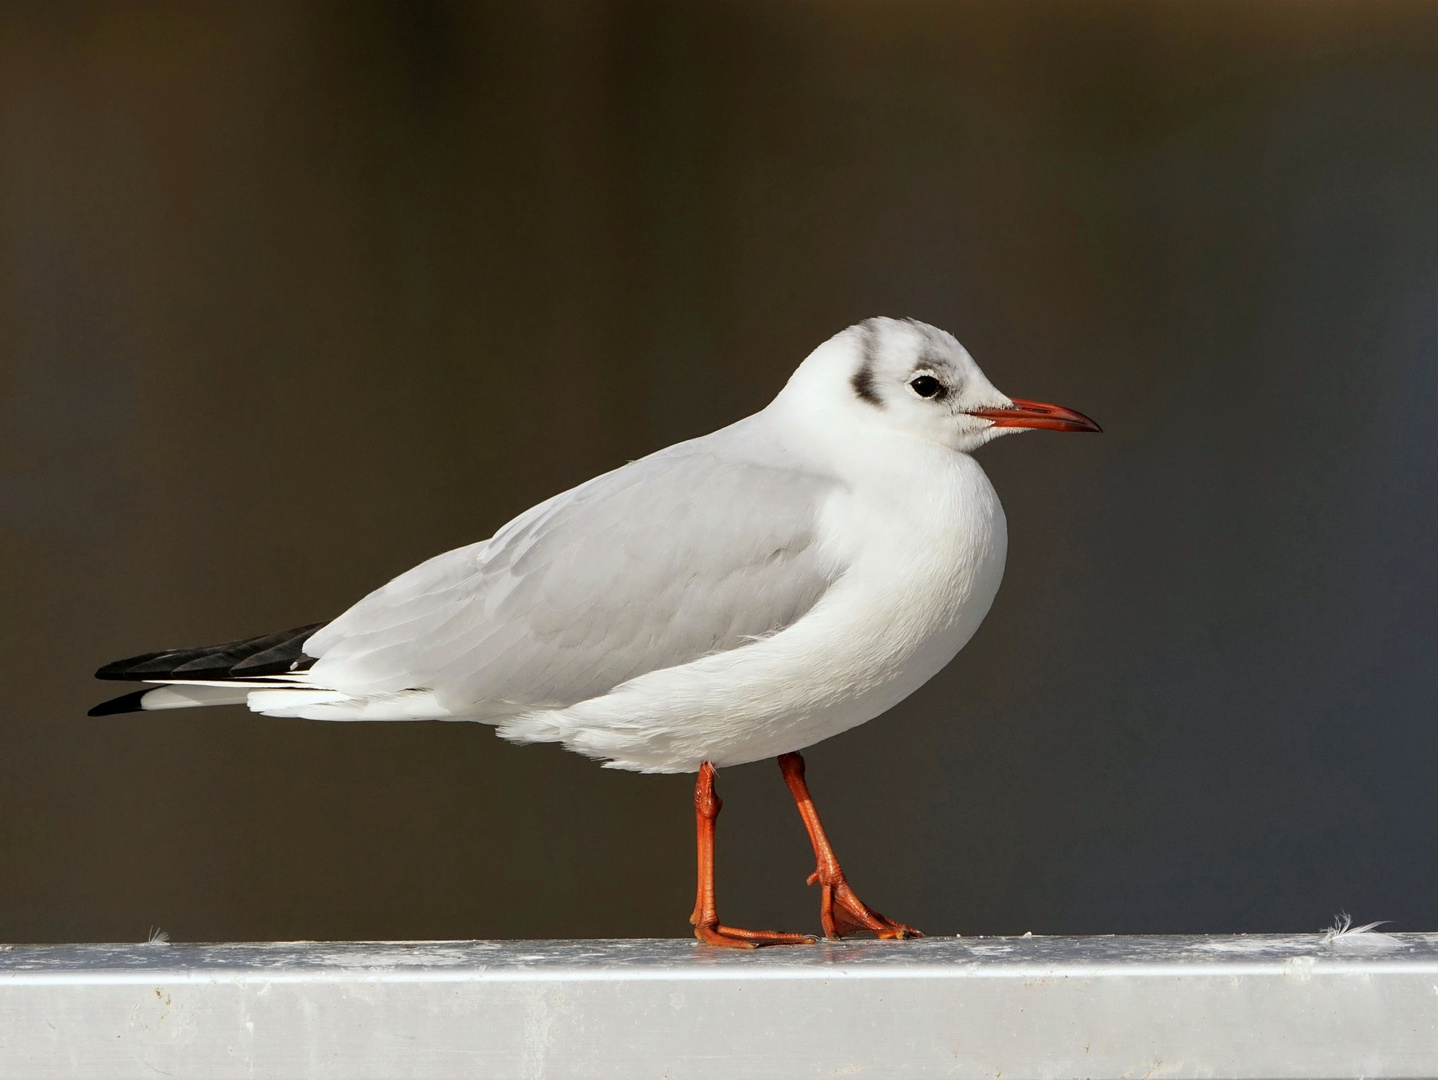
(917, 379)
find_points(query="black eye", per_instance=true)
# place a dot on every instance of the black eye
(926, 386)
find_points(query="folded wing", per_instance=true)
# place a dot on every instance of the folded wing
(670, 558)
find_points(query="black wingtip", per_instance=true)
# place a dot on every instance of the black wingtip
(268, 654)
(119, 669)
(124, 704)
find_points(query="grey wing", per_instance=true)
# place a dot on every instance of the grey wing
(668, 559)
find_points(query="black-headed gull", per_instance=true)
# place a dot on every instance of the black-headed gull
(738, 596)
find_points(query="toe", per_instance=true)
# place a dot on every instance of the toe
(730, 937)
(712, 935)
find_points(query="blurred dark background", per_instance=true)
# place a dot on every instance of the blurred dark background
(294, 296)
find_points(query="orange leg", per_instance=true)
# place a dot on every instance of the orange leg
(706, 916)
(840, 911)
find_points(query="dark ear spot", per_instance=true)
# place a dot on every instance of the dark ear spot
(863, 379)
(863, 384)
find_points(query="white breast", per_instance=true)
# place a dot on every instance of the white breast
(923, 537)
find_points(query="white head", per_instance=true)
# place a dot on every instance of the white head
(917, 379)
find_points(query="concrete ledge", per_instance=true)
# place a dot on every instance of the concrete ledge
(1253, 1006)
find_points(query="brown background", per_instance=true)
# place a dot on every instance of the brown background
(293, 296)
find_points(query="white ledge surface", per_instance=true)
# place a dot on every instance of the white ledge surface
(1251, 1006)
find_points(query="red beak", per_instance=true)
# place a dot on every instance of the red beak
(1037, 414)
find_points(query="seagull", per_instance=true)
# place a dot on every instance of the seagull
(739, 596)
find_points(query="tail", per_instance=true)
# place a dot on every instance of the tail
(213, 675)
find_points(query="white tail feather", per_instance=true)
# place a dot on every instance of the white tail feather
(181, 696)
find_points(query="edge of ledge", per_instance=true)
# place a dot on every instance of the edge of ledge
(967, 957)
